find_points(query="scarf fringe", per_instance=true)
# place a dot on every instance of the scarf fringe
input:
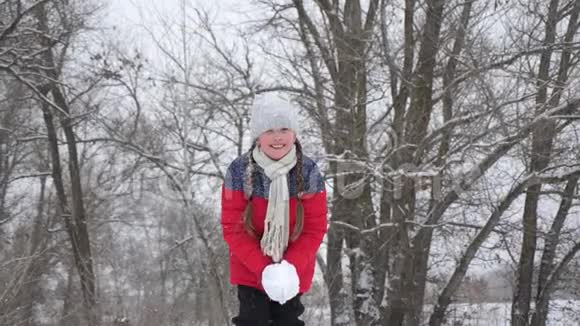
(277, 222)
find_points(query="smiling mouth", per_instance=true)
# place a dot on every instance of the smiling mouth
(277, 146)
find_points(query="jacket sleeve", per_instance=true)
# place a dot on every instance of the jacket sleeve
(241, 244)
(302, 251)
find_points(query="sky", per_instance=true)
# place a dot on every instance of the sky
(133, 22)
(129, 15)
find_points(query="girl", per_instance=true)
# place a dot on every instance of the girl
(273, 218)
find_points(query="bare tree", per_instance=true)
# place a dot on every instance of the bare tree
(541, 153)
(435, 130)
(549, 270)
(40, 73)
(27, 249)
(343, 47)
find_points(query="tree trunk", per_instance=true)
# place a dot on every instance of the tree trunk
(75, 220)
(547, 263)
(540, 314)
(406, 296)
(422, 241)
(73, 211)
(542, 143)
(346, 64)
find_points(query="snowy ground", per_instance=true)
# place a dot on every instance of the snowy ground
(562, 313)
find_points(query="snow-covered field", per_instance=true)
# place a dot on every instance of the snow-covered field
(562, 313)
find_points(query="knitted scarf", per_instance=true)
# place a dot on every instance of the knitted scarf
(277, 222)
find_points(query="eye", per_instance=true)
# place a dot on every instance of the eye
(285, 130)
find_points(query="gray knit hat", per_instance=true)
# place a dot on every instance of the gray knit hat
(272, 111)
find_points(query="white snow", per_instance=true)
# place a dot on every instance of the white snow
(562, 313)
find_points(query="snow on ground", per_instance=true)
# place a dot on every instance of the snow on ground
(562, 313)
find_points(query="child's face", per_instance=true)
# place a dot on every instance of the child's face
(276, 143)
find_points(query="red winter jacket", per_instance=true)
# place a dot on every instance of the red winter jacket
(246, 258)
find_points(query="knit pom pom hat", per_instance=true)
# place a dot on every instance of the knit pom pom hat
(272, 111)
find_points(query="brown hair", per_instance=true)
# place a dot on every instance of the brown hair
(248, 184)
